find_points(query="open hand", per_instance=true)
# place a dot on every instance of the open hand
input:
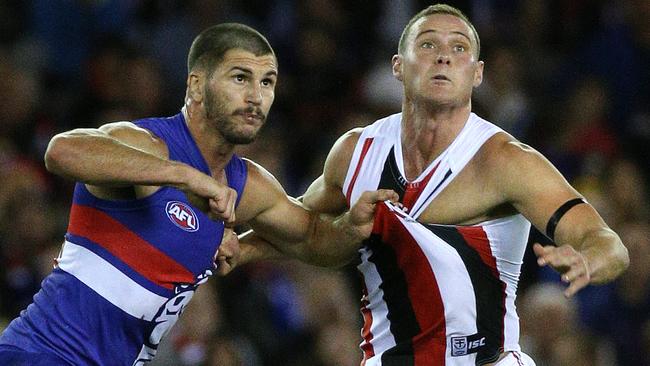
(571, 265)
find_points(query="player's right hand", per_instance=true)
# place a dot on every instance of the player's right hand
(362, 213)
(213, 197)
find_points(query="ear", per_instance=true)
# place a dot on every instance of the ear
(478, 74)
(397, 67)
(195, 87)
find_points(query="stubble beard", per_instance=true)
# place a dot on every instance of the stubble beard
(215, 109)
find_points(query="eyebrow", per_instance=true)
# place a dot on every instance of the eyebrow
(250, 72)
(453, 32)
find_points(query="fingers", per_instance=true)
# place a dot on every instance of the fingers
(380, 195)
(571, 265)
(223, 205)
(387, 195)
(364, 210)
(223, 266)
(577, 280)
(228, 253)
(540, 252)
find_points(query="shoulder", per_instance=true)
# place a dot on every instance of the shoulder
(514, 169)
(258, 175)
(339, 157)
(261, 192)
(133, 135)
(502, 151)
(345, 145)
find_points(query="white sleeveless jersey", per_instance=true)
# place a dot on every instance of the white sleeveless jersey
(433, 294)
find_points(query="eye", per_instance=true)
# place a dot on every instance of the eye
(267, 82)
(459, 48)
(239, 78)
(427, 44)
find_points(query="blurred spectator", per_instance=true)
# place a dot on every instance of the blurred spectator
(627, 190)
(581, 129)
(28, 229)
(68, 29)
(502, 95)
(21, 92)
(550, 330)
(626, 315)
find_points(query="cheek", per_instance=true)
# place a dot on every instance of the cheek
(268, 100)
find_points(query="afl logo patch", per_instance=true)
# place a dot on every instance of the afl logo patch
(182, 216)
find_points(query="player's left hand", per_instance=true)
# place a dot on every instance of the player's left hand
(228, 254)
(571, 264)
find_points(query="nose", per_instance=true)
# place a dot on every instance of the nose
(443, 58)
(254, 95)
(444, 55)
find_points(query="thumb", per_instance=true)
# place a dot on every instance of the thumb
(223, 265)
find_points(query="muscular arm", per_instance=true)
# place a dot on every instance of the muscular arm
(114, 155)
(326, 236)
(120, 155)
(297, 232)
(587, 251)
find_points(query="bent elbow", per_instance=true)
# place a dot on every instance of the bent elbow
(624, 258)
(58, 150)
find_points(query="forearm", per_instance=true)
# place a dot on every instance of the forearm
(95, 158)
(254, 248)
(606, 255)
(326, 241)
(333, 242)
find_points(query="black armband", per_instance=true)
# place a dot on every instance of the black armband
(557, 215)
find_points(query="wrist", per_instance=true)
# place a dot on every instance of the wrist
(354, 233)
(254, 248)
(178, 174)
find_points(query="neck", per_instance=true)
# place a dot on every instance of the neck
(427, 131)
(216, 151)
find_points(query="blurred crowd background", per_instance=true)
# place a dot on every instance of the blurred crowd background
(570, 78)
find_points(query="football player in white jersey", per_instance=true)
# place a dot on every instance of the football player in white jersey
(438, 64)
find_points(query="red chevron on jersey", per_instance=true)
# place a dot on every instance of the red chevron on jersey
(127, 246)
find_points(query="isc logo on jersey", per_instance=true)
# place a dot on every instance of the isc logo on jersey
(182, 216)
(461, 346)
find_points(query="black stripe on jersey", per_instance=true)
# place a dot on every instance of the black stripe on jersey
(415, 212)
(403, 323)
(490, 312)
(391, 178)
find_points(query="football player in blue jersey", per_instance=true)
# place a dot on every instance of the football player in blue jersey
(150, 207)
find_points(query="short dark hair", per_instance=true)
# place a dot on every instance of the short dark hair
(209, 47)
(438, 9)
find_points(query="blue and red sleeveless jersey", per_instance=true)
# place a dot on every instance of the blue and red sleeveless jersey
(127, 269)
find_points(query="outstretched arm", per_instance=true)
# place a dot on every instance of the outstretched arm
(334, 235)
(587, 251)
(297, 232)
(119, 155)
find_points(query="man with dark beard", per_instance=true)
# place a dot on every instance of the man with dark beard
(150, 209)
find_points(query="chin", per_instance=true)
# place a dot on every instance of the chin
(240, 139)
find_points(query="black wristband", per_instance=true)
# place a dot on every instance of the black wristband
(557, 215)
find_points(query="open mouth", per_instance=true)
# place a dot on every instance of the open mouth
(441, 77)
